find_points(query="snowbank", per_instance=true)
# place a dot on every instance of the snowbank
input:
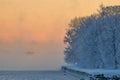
(106, 73)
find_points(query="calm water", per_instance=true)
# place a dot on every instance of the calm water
(34, 75)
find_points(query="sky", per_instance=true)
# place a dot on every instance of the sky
(32, 31)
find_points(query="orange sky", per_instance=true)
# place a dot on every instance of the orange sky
(39, 26)
(41, 20)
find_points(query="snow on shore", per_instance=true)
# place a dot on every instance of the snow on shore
(106, 72)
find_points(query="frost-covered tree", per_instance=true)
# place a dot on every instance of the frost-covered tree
(86, 40)
(110, 23)
(94, 41)
(70, 39)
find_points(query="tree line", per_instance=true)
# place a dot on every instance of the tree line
(94, 41)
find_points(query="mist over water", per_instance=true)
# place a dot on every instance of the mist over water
(31, 57)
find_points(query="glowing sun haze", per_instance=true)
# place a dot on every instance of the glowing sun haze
(32, 31)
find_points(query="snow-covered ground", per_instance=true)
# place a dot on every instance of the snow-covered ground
(106, 72)
(35, 75)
